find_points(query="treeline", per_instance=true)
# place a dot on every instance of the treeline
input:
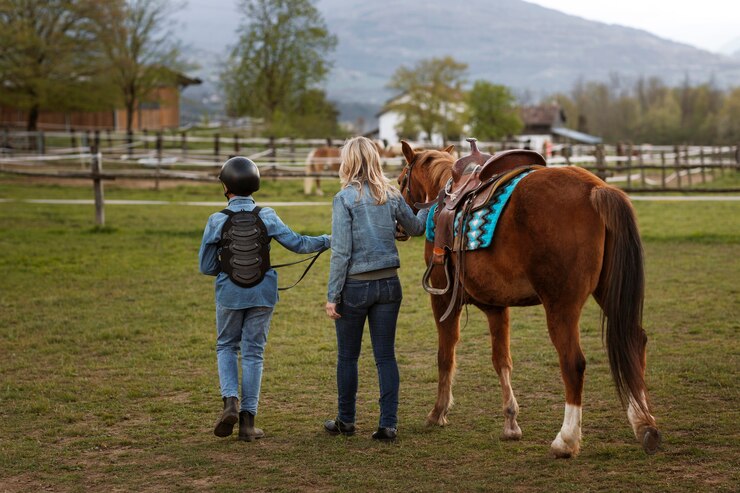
(648, 110)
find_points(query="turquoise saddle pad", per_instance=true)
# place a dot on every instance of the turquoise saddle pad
(481, 224)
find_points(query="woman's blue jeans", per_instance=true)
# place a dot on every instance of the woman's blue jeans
(378, 302)
(247, 330)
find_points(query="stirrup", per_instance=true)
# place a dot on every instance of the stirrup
(425, 280)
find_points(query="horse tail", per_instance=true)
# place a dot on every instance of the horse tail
(621, 293)
(308, 180)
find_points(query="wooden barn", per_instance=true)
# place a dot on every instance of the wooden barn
(160, 110)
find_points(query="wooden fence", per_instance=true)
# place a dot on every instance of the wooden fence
(198, 157)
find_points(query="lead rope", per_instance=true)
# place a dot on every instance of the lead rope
(312, 258)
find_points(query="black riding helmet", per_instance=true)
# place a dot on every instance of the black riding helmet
(240, 176)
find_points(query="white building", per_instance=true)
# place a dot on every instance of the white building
(390, 120)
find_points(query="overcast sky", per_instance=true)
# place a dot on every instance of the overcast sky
(708, 24)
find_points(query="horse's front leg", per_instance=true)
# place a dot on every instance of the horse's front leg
(498, 325)
(448, 333)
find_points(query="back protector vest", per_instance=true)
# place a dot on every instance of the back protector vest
(245, 253)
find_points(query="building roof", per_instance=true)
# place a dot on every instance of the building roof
(576, 135)
(545, 114)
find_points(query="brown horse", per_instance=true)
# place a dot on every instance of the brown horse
(564, 235)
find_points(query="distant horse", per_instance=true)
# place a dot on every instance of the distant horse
(325, 158)
(564, 235)
(328, 158)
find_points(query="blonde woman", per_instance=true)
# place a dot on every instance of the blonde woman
(363, 280)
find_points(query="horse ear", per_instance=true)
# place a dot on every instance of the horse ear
(408, 152)
(449, 149)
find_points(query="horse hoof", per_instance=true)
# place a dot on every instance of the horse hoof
(562, 450)
(512, 433)
(561, 454)
(651, 440)
(433, 420)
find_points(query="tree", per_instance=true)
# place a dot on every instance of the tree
(313, 117)
(141, 50)
(729, 118)
(281, 56)
(430, 96)
(493, 111)
(49, 57)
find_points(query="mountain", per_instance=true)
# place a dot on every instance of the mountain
(511, 42)
(532, 49)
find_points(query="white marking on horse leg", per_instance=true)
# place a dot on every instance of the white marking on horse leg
(307, 185)
(438, 415)
(511, 407)
(638, 419)
(568, 442)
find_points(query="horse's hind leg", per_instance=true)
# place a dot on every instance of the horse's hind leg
(448, 333)
(498, 324)
(643, 423)
(562, 324)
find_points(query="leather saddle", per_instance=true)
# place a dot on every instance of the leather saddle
(475, 179)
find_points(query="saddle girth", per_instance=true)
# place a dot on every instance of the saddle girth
(244, 247)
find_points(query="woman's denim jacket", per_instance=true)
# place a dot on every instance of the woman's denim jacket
(363, 234)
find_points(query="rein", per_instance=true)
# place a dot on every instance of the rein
(312, 258)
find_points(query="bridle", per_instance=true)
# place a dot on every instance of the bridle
(405, 185)
(406, 181)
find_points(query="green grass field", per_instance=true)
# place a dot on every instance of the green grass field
(109, 376)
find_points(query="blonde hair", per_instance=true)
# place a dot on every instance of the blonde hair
(361, 164)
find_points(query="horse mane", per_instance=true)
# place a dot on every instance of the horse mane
(438, 166)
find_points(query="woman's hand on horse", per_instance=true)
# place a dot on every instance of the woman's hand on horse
(331, 311)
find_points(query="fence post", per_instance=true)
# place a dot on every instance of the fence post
(677, 162)
(130, 139)
(662, 169)
(629, 165)
(72, 138)
(96, 169)
(146, 139)
(273, 151)
(184, 143)
(721, 162)
(292, 150)
(41, 142)
(159, 160)
(108, 138)
(687, 161)
(96, 139)
(701, 164)
(216, 146)
(236, 144)
(600, 161)
(641, 163)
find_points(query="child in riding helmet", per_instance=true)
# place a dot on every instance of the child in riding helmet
(235, 249)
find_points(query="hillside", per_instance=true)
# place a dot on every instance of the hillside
(530, 48)
(512, 42)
